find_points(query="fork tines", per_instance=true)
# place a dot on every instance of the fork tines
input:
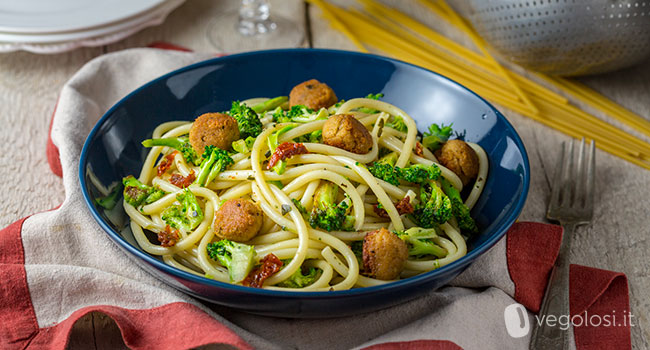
(573, 185)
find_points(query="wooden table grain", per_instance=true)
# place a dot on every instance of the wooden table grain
(618, 238)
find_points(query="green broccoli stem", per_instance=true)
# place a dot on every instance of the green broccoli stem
(419, 241)
(173, 142)
(216, 169)
(389, 159)
(243, 146)
(206, 170)
(109, 201)
(273, 140)
(280, 167)
(182, 144)
(425, 247)
(270, 104)
(216, 161)
(325, 196)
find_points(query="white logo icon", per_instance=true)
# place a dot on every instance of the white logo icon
(517, 323)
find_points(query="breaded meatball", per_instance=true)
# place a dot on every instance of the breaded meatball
(384, 254)
(216, 129)
(238, 220)
(313, 94)
(459, 157)
(346, 132)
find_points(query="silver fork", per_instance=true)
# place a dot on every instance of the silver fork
(572, 205)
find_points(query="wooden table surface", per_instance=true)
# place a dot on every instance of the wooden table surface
(616, 240)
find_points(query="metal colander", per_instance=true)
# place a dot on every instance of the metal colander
(564, 37)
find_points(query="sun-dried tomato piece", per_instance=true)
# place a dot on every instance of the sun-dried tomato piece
(286, 150)
(182, 181)
(169, 237)
(166, 163)
(270, 265)
(403, 207)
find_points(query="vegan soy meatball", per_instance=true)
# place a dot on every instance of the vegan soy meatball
(384, 254)
(346, 132)
(459, 157)
(238, 220)
(216, 129)
(313, 94)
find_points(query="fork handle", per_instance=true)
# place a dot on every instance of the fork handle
(555, 302)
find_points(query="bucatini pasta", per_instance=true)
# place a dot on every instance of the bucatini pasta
(305, 193)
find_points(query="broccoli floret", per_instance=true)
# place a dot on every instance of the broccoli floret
(238, 258)
(315, 136)
(328, 215)
(155, 195)
(385, 172)
(187, 215)
(333, 109)
(280, 116)
(459, 209)
(385, 169)
(301, 278)
(419, 242)
(136, 193)
(299, 113)
(182, 144)
(216, 161)
(109, 201)
(270, 104)
(434, 208)
(371, 110)
(247, 120)
(398, 124)
(436, 136)
(243, 146)
(419, 173)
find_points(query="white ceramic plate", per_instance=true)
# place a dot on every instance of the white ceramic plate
(61, 42)
(52, 16)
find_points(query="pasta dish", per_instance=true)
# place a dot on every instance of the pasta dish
(305, 193)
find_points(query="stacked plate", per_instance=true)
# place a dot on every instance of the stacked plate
(45, 26)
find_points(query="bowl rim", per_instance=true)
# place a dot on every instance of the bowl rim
(461, 263)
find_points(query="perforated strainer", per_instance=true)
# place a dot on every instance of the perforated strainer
(564, 37)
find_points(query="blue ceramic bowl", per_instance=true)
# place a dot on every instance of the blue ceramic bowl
(113, 150)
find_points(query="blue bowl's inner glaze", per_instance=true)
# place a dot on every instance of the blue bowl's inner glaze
(113, 150)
